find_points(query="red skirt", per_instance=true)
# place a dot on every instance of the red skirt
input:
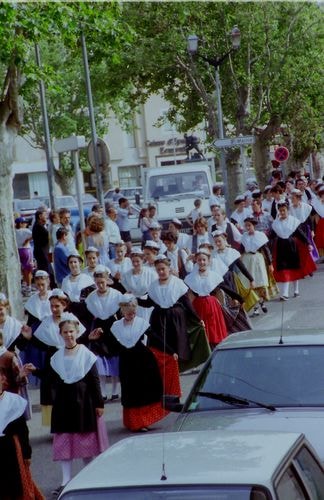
(209, 310)
(169, 371)
(319, 234)
(306, 268)
(144, 416)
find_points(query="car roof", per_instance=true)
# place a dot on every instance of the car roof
(267, 338)
(199, 457)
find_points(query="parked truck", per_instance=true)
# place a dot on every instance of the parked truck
(173, 190)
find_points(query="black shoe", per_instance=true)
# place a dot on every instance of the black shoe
(283, 298)
(296, 294)
(255, 313)
(263, 307)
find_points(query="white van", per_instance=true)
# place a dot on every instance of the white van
(173, 189)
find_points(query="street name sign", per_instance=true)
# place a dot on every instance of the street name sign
(229, 142)
(72, 143)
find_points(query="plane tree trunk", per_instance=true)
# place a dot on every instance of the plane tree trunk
(10, 121)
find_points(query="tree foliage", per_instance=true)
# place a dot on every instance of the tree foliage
(276, 76)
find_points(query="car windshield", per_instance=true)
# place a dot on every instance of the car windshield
(189, 184)
(279, 376)
(66, 202)
(178, 492)
(31, 204)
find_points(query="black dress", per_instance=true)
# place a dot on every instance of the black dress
(74, 404)
(139, 374)
(11, 484)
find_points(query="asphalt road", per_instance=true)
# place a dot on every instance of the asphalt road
(303, 312)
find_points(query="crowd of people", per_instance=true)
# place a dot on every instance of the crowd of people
(138, 316)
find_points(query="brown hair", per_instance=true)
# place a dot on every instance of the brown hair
(95, 223)
(201, 221)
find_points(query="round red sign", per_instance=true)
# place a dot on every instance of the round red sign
(281, 154)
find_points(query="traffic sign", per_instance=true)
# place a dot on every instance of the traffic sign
(103, 153)
(229, 142)
(281, 154)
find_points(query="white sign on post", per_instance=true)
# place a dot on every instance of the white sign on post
(229, 142)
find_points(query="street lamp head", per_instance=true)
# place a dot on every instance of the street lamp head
(192, 44)
(236, 37)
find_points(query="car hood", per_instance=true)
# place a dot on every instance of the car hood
(308, 421)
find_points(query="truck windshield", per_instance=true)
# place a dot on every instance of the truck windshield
(189, 184)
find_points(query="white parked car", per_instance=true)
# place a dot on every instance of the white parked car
(203, 466)
(131, 193)
(261, 381)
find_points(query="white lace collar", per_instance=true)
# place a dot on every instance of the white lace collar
(203, 284)
(73, 368)
(73, 288)
(301, 212)
(318, 206)
(228, 255)
(129, 334)
(48, 331)
(167, 295)
(284, 228)
(104, 306)
(11, 330)
(138, 284)
(252, 242)
(38, 307)
(12, 407)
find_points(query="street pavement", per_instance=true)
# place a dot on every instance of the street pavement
(306, 311)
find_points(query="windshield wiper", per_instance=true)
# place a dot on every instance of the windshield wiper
(235, 400)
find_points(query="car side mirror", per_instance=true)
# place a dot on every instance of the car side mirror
(172, 403)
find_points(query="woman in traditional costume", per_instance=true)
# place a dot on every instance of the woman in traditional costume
(202, 283)
(15, 449)
(178, 332)
(38, 305)
(10, 365)
(215, 262)
(37, 308)
(140, 378)
(92, 260)
(151, 251)
(47, 338)
(77, 417)
(103, 304)
(292, 260)
(77, 286)
(256, 257)
(76, 281)
(303, 212)
(318, 205)
(15, 333)
(232, 259)
(221, 223)
(180, 261)
(200, 235)
(138, 279)
(120, 264)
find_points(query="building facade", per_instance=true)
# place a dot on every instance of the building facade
(145, 145)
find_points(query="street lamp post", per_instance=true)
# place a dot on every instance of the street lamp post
(192, 47)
